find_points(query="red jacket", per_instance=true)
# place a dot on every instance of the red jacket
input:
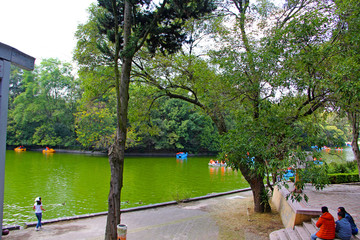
(326, 224)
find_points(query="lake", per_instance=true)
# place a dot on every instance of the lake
(76, 184)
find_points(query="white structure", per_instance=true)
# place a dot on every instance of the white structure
(8, 56)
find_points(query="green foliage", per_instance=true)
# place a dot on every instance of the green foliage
(348, 167)
(336, 178)
(179, 126)
(42, 104)
(95, 127)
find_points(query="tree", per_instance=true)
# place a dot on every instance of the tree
(128, 26)
(43, 104)
(269, 75)
(95, 127)
(346, 67)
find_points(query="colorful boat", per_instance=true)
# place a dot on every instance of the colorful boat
(181, 155)
(289, 173)
(217, 163)
(20, 149)
(48, 150)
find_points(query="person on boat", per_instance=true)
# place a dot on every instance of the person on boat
(47, 149)
(350, 219)
(38, 212)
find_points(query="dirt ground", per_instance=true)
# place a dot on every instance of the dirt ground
(239, 221)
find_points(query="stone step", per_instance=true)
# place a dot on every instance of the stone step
(302, 233)
(278, 235)
(291, 234)
(356, 237)
(313, 222)
(309, 227)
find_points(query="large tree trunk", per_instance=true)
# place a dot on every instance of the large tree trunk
(116, 160)
(354, 121)
(256, 181)
(117, 151)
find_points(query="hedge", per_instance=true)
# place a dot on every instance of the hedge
(343, 177)
(339, 178)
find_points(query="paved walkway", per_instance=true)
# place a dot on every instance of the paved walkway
(191, 220)
(337, 195)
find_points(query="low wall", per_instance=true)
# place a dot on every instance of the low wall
(292, 213)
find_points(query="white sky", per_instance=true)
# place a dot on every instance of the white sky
(42, 28)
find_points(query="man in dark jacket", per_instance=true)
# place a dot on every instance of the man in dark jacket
(343, 227)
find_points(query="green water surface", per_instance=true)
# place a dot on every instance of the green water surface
(75, 184)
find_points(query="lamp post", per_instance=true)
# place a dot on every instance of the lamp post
(8, 56)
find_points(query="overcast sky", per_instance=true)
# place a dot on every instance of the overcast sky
(42, 28)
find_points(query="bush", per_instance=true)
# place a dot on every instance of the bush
(348, 167)
(343, 177)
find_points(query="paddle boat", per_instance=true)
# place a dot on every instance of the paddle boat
(217, 163)
(20, 149)
(318, 162)
(181, 155)
(48, 150)
(289, 173)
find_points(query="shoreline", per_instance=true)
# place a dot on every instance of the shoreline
(127, 154)
(133, 209)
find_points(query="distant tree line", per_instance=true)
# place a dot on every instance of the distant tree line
(45, 110)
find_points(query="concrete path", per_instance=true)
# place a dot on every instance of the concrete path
(185, 221)
(337, 195)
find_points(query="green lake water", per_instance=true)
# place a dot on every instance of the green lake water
(338, 156)
(75, 184)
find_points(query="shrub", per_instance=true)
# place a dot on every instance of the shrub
(348, 167)
(343, 177)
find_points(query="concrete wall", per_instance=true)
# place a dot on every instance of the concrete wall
(292, 213)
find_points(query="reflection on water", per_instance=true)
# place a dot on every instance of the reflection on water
(338, 156)
(74, 184)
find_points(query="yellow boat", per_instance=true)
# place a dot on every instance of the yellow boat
(48, 150)
(20, 149)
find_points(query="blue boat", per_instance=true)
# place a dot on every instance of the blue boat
(289, 173)
(181, 155)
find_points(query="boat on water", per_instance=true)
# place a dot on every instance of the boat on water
(217, 163)
(20, 149)
(181, 155)
(288, 174)
(48, 150)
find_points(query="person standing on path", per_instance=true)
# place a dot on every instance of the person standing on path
(38, 212)
(326, 223)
